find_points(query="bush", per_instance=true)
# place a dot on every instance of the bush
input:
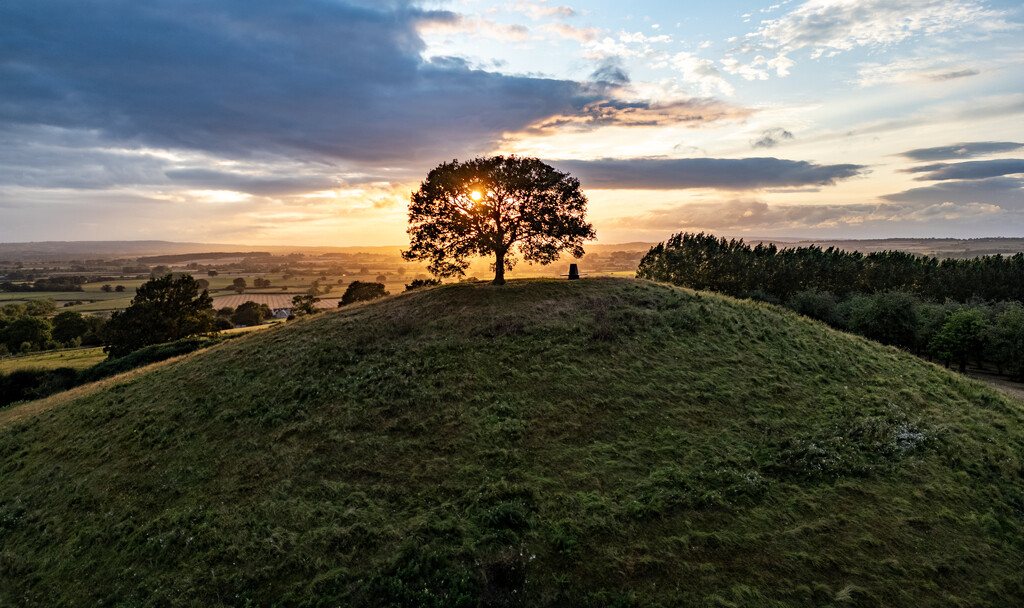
(417, 283)
(359, 291)
(820, 305)
(961, 336)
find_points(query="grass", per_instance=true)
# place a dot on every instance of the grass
(589, 443)
(78, 358)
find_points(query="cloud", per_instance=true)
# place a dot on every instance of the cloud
(954, 75)
(761, 217)
(257, 185)
(701, 72)
(771, 138)
(608, 113)
(718, 173)
(610, 71)
(583, 35)
(829, 28)
(1006, 192)
(314, 80)
(976, 169)
(446, 22)
(916, 70)
(963, 150)
(541, 10)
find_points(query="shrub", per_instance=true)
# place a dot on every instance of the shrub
(417, 283)
(359, 291)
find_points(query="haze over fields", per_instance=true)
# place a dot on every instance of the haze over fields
(280, 123)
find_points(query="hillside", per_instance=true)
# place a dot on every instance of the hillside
(588, 443)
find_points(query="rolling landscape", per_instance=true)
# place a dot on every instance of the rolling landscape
(606, 441)
(495, 304)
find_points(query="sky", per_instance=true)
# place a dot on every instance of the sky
(310, 122)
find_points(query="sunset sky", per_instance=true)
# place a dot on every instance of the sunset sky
(309, 122)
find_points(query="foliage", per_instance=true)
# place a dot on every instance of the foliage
(1006, 341)
(820, 305)
(361, 291)
(960, 337)
(163, 309)
(703, 261)
(417, 283)
(492, 206)
(251, 313)
(889, 317)
(69, 325)
(305, 304)
(26, 333)
(467, 445)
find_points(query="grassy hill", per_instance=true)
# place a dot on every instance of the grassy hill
(589, 443)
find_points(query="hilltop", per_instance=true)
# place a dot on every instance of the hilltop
(596, 442)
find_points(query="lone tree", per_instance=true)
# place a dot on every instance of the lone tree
(486, 206)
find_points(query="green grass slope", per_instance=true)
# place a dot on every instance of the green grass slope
(589, 443)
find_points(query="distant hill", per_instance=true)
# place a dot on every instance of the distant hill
(546, 443)
(65, 250)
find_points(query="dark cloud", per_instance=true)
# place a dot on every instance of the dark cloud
(964, 150)
(610, 71)
(1005, 192)
(314, 79)
(720, 173)
(977, 169)
(954, 75)
(771, 138)
(251, 184)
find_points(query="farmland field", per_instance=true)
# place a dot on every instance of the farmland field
(77, 358)
(283, 300)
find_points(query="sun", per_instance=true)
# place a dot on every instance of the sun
(475, 195)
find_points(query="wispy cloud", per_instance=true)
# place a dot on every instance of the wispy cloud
(976, 169)
(771, 138)
(717, 173)
(693, 113)
(962, 150)
(762, 217)
(1007, 192)
(828, 28)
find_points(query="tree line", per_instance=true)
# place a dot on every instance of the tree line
(955, 311)
(703, 261)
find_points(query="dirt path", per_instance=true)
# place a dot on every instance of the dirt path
(1000, 383)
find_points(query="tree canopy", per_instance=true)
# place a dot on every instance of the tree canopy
(162, 310)
(496, 206)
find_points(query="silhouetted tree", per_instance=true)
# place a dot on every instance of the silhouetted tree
(162, 310)
(417, 283)
(250, 313)
(491, 206)
(359, 291)
(305, 305)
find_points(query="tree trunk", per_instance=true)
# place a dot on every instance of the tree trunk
(499, 268)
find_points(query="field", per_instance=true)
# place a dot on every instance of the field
(77, 358)
(546, 443)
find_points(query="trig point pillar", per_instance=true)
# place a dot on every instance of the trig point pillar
(574, 272)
